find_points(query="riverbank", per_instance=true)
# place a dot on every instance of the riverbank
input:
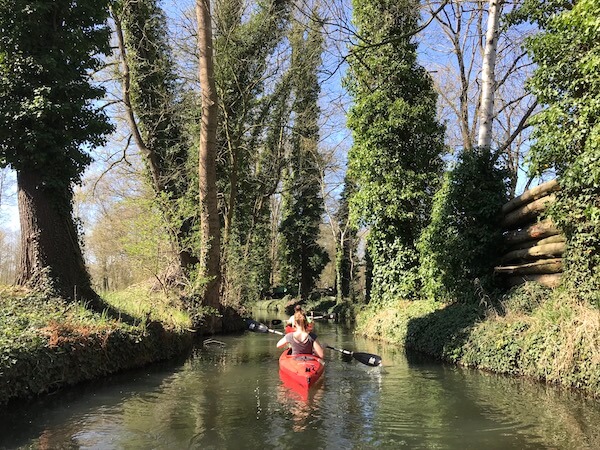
(47, 343)
(533, 332)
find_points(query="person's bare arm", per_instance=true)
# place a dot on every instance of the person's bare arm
(281, 342)
(318, 350)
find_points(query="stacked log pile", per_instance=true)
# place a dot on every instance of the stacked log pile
(534, 247)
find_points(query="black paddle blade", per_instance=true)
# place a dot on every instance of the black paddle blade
(256, 326)
(367, 358)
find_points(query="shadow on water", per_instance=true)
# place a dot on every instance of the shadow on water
(552, 417)
(21, 419)
(51, 414)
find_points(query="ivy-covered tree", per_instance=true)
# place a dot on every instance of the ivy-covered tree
(49, 119)
(395, 159)
(254, 110)
(303, 258)
(346, 244)
(461, 244)
(567, 131)
(154, 109)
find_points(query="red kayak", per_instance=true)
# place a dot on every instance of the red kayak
(304, 370)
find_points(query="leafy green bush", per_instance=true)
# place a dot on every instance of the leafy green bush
(459, 247)
(567, 131)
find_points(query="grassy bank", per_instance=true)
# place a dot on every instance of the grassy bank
(46, 343)
(533, 332)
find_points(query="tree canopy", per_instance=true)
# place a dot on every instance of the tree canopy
(567, 131)
(48, 114)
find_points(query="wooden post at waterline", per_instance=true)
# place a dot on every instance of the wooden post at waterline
(534, 247)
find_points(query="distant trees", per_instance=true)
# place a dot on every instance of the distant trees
(456, 58)
(48, 117)
(303, 259)
(346, 245)
(253, 86)
(154, 110)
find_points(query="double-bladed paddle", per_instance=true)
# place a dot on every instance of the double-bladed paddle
(258, 327)
(366, 358)
(332, 316)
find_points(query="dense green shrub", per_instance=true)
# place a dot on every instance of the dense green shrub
(460, 246)
(567, 131)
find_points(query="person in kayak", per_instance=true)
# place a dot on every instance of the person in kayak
(291, 322)
(300, 340)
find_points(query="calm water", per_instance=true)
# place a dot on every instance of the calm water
(228, 395)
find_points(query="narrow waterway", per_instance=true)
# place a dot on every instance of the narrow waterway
(228, 395)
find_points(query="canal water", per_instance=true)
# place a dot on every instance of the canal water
(227, 394)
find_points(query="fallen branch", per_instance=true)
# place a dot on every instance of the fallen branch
(532, 194)
(545, 266)
(539, 251)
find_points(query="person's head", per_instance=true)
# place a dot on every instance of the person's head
(297, 308)
(300, 319)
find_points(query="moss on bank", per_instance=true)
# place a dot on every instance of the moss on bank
(532, 332)
(46, 343)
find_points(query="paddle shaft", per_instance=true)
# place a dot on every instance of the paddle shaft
(366, 358)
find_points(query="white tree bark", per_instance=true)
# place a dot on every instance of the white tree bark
(486, 112)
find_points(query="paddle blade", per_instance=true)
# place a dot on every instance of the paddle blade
(256, 326)
(367, 358)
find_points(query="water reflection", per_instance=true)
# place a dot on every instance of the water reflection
(231, 396)
(301, 403)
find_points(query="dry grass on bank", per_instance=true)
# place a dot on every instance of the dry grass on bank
(150, 305)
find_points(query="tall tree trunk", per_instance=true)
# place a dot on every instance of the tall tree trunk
(339, 258)
(486, 112)
(50, 255)
(209, 215)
